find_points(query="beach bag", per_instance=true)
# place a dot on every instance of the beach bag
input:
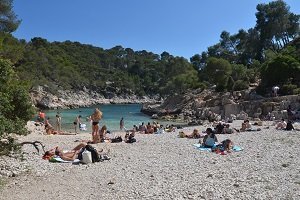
(94, 152)
(116, 140)
(86, 157)
(82, 127)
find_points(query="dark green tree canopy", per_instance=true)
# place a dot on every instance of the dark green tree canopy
(8, 19)
(276, 24)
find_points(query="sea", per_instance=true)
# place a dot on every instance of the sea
(112, 114)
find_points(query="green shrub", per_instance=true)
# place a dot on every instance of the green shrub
(296, 91)
(15, 108)
(240, 85)
(288, 89)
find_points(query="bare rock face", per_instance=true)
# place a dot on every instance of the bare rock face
(203, 105)
(69, 99)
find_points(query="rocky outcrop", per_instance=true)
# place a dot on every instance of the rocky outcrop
(208, 105)
(64, 99)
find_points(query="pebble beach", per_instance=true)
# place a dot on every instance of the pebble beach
(160, 166)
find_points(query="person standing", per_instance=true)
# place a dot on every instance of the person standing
(96, 117)
(76, 122)
(122, 124)
(275, 90)
(58, 122)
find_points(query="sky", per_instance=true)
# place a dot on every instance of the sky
(179, 27)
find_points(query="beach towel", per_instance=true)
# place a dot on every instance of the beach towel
(59, 160)
(200, 147)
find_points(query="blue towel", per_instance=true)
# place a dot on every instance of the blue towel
(237, 148)
(200, 147)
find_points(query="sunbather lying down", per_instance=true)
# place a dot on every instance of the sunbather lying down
(65, 155)
(51, 131)
(195, 134)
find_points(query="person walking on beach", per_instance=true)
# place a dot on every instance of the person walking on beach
(96, 117)
(58, 122)
(76, 122)
(122, 124)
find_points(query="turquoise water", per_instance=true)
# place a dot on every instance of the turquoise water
(112, 114)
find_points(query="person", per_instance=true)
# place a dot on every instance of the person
(225, 145)
(228, 130)
(76, 122)
(219, 128)
(149, 129)
(102, 133)
(129, 137)
(195, 134)
(67, 156)
(47, 123)
(275, 91)
(281, 125)
(97, 138)
(210, 139)
(135, 128)
(142, 128)
(58, 122)
(41, 117)
(122, 124)
(246, 126)
(51, 131)
(96, 117)
(239, 95)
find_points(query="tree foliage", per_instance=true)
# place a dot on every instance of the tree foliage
(8, 19)
(15, 107)
(275, 34)
(74, 66)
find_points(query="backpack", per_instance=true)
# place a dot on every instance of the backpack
(94, 152)
(131, 140)
(289, 126)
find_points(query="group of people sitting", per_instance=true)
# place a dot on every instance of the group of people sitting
(283, 125)
(220, 128)
(154, 128)
(210, 140)
(51, 131)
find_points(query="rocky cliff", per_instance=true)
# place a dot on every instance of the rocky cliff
(64, 99)
(198, 105)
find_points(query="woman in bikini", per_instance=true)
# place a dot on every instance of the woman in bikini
(96, 117)
(67, 156)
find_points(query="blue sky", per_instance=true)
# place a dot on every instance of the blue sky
(180, 27)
